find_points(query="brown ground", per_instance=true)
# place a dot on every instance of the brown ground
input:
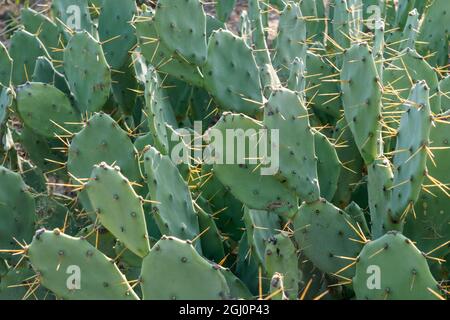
(10, 10)
(233, 23)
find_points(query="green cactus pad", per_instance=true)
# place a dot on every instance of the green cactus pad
(192, 158)
(72, 16)
(179, 93)
(246, 181)
(125, 87)
(328, 165)
(286, 113)
(224, 8)
(6, 65)
(260, 226)
(401, 269)
(25, 48)
(126, 256)
(102, 140)
(87, 72)
(444, 86)
(342, 18)
(352, 163)
(238, 290)
(411, 156)
(227, 209)
(355, 7)
(328, 237)
(33, 176)
(16, 283)
(45, 72)
(402, 73)
(258, 33)
(142, 141)
(358, 214)
(362, 103)
(158, 55)
(118, 207)
(56, 257)
(411, 31)
(321, 91)
(212, 24)
(6, 100)
(173, 270)
(291, 39)
(379, 187)
(17, 211)
(99, 237)
(297, 81)
(281, 257)
(185, 37)
(158, 110)
(231, 74)
(248, 267)
(433, 35)
(45, 109)
(390, 11)
(116, 32)
(404, 7)
(3, 267)
(379, 45)
(429, 228)
(41, 150)
(269, 79)
(211, 239)
(44, 28)
(53, 213)
(313, 11)
(173, 208)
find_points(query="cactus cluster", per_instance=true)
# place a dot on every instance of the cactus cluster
(154, 152)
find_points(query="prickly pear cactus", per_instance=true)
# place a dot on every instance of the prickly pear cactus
(172, 208)
(244, 178)
(298, 163)
(329, 237)
(87, 72)
(5, 66)
(392, 268)
(118, 207)
(53, 255)
(231, 73)
(102, 140)
(46, 30)
(411, 156)
(361, 104)
(291, 39)
(45, 109)
(281, 257)
(17, 210)
(117, 38)
(185, 37)
(72, 16)
(24, 49)
(173, 270)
